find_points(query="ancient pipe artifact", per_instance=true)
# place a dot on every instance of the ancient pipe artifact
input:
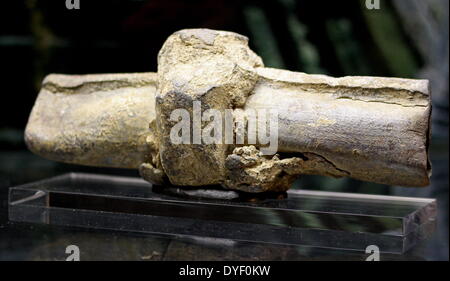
(367, 128)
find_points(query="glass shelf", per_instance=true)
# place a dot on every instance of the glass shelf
(311, 218)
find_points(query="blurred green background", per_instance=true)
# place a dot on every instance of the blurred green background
(404, 38)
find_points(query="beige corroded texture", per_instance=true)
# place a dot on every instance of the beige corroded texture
(215, 68)
(368, 128)
(96, 120)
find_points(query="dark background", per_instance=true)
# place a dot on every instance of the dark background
(405, 38)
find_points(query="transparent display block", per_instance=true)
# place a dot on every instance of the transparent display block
(312, 218)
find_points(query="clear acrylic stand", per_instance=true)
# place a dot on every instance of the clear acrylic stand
(312, 218)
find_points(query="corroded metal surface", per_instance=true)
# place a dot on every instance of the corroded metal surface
(96, 120)
(368, 128)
